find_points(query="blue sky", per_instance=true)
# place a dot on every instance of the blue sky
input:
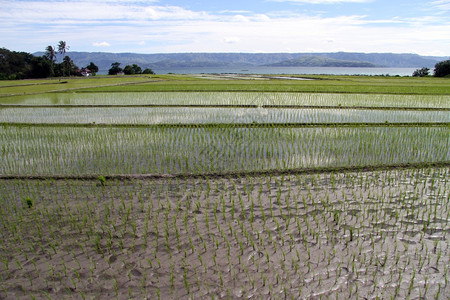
(255, 26)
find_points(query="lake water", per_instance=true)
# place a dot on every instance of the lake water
(292, 70)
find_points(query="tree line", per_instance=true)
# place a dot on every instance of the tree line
(441, 69)
(67, 67)
(128, 70)
(22, 65)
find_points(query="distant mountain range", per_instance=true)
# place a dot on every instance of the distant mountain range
(320, 61)
(197, 60)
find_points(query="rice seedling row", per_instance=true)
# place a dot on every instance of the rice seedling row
(347, 235)
(221, 106)
(189, 115)
(196, 150)
(232, 98)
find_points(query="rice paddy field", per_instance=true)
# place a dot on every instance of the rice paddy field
(187, 187)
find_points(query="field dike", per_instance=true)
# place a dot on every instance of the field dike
(228, 125)
(225, 106)
(238, 174)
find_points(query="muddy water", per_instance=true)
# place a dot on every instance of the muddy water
(342, 235)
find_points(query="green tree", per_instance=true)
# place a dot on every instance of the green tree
(148, 71)
(50, 53)
(14, 65)
(137, 69)
(69, 66)
(442, 68)
(93, 68)
(132, 69)
(66, 68)
(40, 67)
(421, 72)
(128, 70)
(115, 68)
(62, 48)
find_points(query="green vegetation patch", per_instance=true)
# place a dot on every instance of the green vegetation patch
(25, 87)
(247, 99)
(327, 84)
(196, 150)
(189, 83)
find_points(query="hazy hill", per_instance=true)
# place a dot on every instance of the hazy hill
(186, 60)
(321, 61)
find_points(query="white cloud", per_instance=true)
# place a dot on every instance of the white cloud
(49, 12)
(171, 13)
(262, 17)
(231, 40)
(101, 44)
(240, 18)
(442, 4)
(146, 27)
(235, 12)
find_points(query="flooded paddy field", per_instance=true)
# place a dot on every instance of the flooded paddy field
(191, 188)
(342, 234)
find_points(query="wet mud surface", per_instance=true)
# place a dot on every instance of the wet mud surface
(344, 235)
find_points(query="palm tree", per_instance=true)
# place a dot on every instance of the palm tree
(50, 54)
(68, 64)
(62, 48)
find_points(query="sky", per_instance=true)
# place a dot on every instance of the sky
(251, 26)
